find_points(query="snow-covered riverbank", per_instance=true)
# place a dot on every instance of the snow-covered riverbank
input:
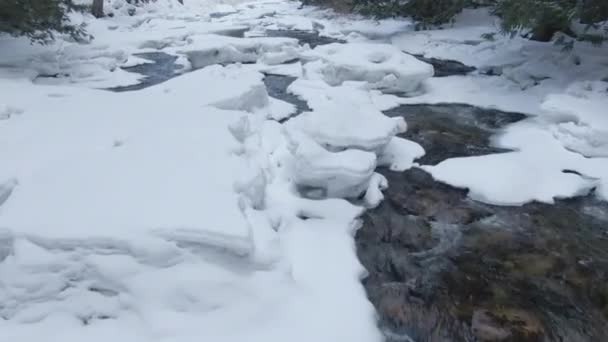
(185, 210)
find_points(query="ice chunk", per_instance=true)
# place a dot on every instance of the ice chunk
(382, 65)
(344, 117)
(534, 172)
(340, 174)
(584, 106)
(399, 154)
(511, 178)
(209, 49)
(373, 195)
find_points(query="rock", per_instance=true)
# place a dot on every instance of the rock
(506, 325)
(446, 67)
(487, 328)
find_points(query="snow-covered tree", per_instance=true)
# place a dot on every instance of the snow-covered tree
(543, 18)
(424, 11)
(39, 20)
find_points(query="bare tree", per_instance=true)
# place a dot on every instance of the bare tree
(98, 8)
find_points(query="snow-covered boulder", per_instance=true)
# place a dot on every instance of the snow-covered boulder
(382, 65)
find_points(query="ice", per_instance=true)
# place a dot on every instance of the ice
(536, 171)
(291, 69)
(584, 139)
(509, 179)
(113, 158)
(581, 114)
(187, 210)
(340, 174)
(373, 194)
(497, 93)
(381, 65)
(205, 50)
(399, 154)
(344, 116)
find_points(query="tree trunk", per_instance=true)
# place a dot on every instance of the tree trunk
(98, 8)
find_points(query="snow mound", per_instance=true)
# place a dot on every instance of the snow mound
(399, 154)
(6, 188)
(509, 179)
(383, 66)
(344, 116)
(209, 49)
(344, 174)
(540, 169)
(581, 114)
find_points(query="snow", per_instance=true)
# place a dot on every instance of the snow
(343, 116)
(381, 65)
(189, 210)
(561, 89)
(205, 50)
(581, 115)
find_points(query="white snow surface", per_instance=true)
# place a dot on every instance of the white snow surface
(381, 65)
(186, 211)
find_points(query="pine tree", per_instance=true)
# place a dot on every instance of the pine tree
(426, 12)
(543, 18)
(40, 20)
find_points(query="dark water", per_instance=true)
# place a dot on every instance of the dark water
(312, 38)
(277, 85)
(453, 130)
(163, 69)
(446, 67)
(445, 268)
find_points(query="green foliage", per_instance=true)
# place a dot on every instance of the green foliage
(40, 20)
(543, 18)
(426, 12)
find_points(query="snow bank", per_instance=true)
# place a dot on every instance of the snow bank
(159, 160)
(581, 117)
(541, 169)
